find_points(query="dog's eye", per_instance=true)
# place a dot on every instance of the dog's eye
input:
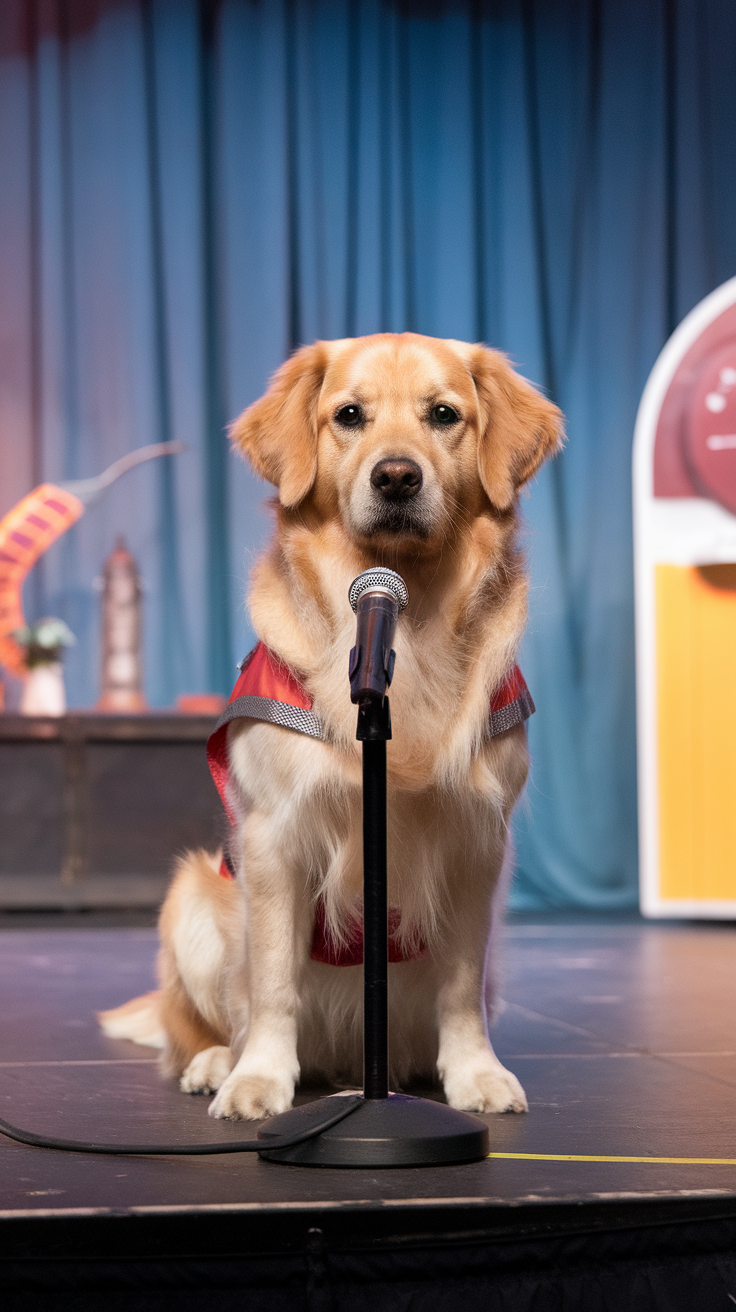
(350, 416)
(444, 415)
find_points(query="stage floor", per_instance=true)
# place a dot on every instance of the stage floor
(623, 1034)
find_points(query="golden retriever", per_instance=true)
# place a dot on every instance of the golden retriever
(243, 1009)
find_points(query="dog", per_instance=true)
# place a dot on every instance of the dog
(408, 452)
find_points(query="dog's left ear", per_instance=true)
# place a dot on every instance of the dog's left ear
(519, 430)
(278, 433)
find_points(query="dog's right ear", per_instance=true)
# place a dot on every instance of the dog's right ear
(278, 433)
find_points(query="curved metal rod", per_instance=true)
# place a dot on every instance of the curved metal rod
(88, 489)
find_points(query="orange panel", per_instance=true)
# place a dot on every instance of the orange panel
(696, 687)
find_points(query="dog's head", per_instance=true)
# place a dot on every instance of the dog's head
(403, 437)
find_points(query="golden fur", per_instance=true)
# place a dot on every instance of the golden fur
(243, 1007)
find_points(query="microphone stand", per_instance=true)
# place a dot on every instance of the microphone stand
(386, 1129)
(374, 728)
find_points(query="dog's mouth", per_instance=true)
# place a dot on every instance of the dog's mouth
(396, 502)
(397, 519)
(396, 505)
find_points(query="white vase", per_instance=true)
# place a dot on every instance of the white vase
(43, 691)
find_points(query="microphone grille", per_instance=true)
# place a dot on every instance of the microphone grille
(380, 577)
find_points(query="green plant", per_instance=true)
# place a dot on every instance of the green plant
(44, 641)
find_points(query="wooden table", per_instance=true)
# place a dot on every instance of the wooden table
(94, 808)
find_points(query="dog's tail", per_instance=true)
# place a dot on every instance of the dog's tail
(139, 1020)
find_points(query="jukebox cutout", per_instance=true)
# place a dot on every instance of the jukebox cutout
(685, 575)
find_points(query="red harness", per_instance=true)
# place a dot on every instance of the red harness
(268, 690)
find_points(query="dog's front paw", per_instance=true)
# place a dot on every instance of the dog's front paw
(251, 1097)
(207, 1071)
(487, 1088)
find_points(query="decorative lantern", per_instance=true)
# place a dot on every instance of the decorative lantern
(122, 671)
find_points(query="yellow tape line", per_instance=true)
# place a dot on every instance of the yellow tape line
(574, 1157)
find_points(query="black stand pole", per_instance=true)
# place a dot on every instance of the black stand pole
(375, 902)
(386, 1129)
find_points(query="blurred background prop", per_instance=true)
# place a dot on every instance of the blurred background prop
(201, 703)
(25, 533)
(30, 528)
(685, 558)
(122, 673)
(42, 645)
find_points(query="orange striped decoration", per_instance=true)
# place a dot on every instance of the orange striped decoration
(25, 533)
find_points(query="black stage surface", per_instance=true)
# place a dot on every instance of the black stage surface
(623, 1034)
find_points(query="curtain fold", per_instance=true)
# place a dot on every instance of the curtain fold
(192, 189)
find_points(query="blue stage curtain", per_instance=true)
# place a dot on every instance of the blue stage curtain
(190, 190)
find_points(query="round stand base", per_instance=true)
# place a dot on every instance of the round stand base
(395, 1131)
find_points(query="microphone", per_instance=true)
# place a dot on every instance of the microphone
(377, 596)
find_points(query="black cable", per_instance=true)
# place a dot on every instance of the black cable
(348, 1104)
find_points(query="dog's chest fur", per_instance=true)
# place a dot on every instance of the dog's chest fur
(451, 787)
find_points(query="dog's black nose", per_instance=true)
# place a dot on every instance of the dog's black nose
(397, 478)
